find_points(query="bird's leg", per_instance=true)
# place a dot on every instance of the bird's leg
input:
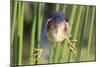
(37, 53)
(72, 44)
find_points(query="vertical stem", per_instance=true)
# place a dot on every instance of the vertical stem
(63, 51)
(14, 20)
(20, 24)
(56, 56)
(57, 7)
(13, 33)
(32, 42)
(40, 20)
(77, 22)
(51, 54)
(82, 34)
(71, 20)
(64, 8)
(76, 27)
(90, 33)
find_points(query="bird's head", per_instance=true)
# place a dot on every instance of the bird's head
(57, 27)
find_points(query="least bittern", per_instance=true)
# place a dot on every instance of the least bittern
(56, 29)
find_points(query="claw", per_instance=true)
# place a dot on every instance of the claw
(73, 50)
(72, 44)
(37, 53)
(74, 40)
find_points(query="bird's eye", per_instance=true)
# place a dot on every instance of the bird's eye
(66, 19)
(51, 24)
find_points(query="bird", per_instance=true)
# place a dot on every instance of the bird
(55, 29)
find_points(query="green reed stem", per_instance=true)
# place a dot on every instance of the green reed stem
(14, 20)
(32, 42)
(63, 51)
(64, 8)
(20, 26)
(71, 20)
(51, 54)
(13, 34)
(40, 21)
(76, 27)
(82, 34)
(90, 33)
(56, 56)
(57, 7)
(77, 23)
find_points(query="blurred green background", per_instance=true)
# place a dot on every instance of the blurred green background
(26, 22)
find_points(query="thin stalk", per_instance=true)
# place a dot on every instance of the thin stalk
(82, 34)
(57, 7)
(63, 51)
(56, 56)
(32, 42)
(77, 22)
(14, 20)
(40, 21)
(20, 26)
(71, 20)
(90, 33)
(64, 8)
(76, 28)
(13, 35)
(51, 54)
(15, 49)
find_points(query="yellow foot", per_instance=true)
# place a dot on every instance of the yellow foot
(73, 42)
(37, 53)
(72, 46)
